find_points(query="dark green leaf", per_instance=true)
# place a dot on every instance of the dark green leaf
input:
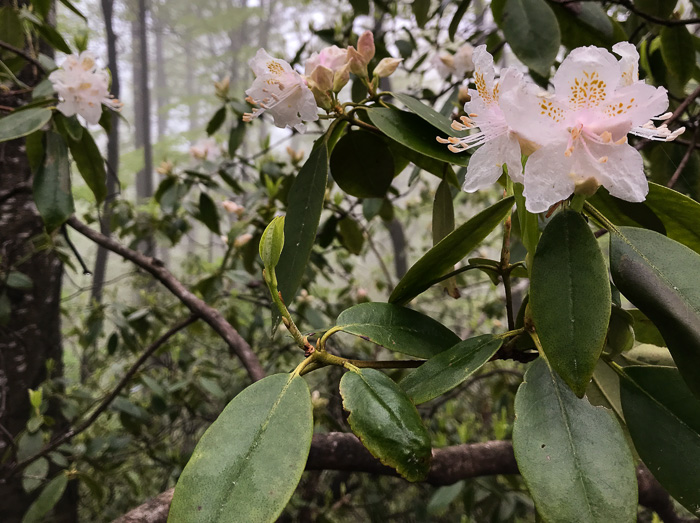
(351, 235)
(448, 369)
(421, 9)
(236, 138)
(444, 224)
(360, 7)
(251, 458)
(676, 41)
(11, 27)
(5, 308)
(19, 280)
(430, 115)
(305, 202)
(588, 24)
(69, 128)
(532, 31)
(570, 298)
(397, 328)
(22, 123)
(660, 277)
(529, 222)
(35, 473)
(415, 133)
(386, 422)
(272, 242)
(362, 165)
(457, 18)
(53, 37)
(452, 249)
(34, 144)
(659, 9)
(48, 498)
(216, 121)
(208, 213)
(573, 456)
(644, 330)
(90, 164)
(52, 190)
(442, 170)
(663, 418)
(70, 6)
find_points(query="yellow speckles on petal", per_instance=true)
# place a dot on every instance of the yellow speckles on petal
(587, 91)
(616, 109)
(547, 108)
(274, 67)
(484, 92)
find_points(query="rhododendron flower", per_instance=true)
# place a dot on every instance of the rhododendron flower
(499, 144)
(280, 91)
(83, 88)
(205, 149)
(360, 57)
(459, 64)
(583, 126)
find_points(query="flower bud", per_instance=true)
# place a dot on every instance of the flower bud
(386, 67)
(365, 46)
(587, 187)
(241, 240)
(233, 208)
(357, 63)
(323, 99)
(322, 78)
(342, 76)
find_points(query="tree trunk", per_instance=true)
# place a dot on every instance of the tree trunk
(142, 116)
(32, 336)
(112, 155)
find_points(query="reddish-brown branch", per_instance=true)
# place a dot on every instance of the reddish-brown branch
(684, 161)
(342, 451)
(198, 307)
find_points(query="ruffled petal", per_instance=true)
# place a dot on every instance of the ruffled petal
(262, 63)
(587, 77)
(548, 177)
(486, 164)
(623, 173)
(629, 62)
(534, 114)
(637, 103)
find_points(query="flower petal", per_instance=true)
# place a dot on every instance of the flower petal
(548, 177)
(587, 77)
(486, 164)
(623, 174)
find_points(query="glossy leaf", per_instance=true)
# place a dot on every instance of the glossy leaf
(420, 10)
(362, 165)
(660, 277)
(452, 249)
(48, 498)
(216, 121)
(532, 31)
(572, 456)
(53, 37)
(415, 133)
(675, 42)
(430, 115)
(22, 123)
(665, 211)
(251, 458)
(304, 205)
(444, 224)
(442, 170)
(397, 328)
(570, 298)
(236, 138)
(386, 422)
(272, 242)
(19, 280)
(11, 26)
(351, 235)
(644, 329)
(52, 189)
(655, 8)
(91, 165)
(450, 368)
(208, 213)
(657, 397)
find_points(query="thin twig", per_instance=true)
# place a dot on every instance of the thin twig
(105, 403)
(684, 161)
(20, 52)
(209, 314)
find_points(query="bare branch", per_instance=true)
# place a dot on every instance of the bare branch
(343, 451)
(198, 307)
(684, 161)
(21, 53)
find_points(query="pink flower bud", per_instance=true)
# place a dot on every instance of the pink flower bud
(386, 67)
(365, 46)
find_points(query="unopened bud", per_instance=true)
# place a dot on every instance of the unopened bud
(386, 67)
(365, 46)
(322, 78)
(165, 168)
(233, 208)
(222, 87)
(323, 99)
(342, 76)
(357, 63)
(241, 240)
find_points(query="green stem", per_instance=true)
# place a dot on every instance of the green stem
(599, 217)
(511, 333)
(577, 202)
(320, 359)
(299, 338)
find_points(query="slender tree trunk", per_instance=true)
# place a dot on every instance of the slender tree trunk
(112, 155)
(32, 335)
(161, 79)
(144, 179)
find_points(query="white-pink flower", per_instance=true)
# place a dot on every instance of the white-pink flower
(459, 64)
(280, 91)
(83, 88)
(499, 145)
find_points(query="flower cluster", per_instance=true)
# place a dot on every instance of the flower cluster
(291, 98)
(82, 87)
(575, 137)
